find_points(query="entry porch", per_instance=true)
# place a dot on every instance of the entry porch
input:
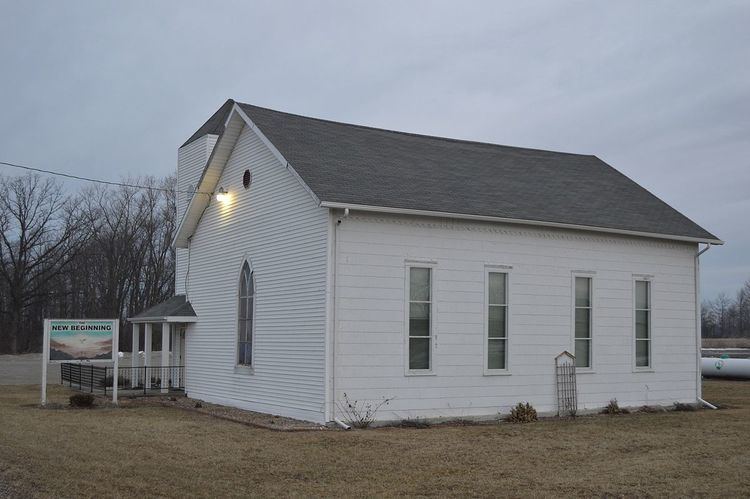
(169, 320)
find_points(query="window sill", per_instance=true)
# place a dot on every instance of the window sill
(244, 370)
(499, 372)
(420, 373)
(585, 371)
(644, 370)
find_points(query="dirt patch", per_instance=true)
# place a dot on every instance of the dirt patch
(248, 418)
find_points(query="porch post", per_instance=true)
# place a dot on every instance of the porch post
(166, 328)
(176, 361)
(147, 355)
(134, 360)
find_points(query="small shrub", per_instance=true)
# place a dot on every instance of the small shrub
(414, 423)
(359, 414)
(614, 408)
(679, 406)
(82, 400)
(522, 413)
(198, 405)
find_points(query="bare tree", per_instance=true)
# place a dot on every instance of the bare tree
(40, 234)
(743, 310)
(725, 317)
(721, 313)
(108, 254)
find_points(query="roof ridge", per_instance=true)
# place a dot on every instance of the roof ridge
(412, 134)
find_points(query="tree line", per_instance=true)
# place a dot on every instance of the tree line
(726, 316)
(99, 252)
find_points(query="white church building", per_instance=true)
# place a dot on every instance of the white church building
(318, 259)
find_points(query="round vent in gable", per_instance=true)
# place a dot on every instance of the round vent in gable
(247, 178)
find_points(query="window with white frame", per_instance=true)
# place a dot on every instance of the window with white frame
(642, 323)
(245, 316)
(420, 318)
(497, 320)
(582, 322)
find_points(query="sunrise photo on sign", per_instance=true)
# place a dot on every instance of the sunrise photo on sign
(80, 340)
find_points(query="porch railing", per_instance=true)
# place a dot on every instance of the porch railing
(99, 379)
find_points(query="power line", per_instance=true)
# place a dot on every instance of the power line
(97, 181)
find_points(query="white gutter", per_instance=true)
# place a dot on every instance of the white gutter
(485, 218)
(698, 342)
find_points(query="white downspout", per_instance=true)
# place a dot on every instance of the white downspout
(342, 424)
(710, 406)
(698, 345)
(333, 261)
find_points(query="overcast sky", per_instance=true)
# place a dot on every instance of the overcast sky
(660, 90)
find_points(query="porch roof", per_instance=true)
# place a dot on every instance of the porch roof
(175, 309)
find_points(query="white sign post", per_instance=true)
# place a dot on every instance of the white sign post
(45, 361)
(116, 355)
(90, 340)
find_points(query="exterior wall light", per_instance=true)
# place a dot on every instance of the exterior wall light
(222, 196)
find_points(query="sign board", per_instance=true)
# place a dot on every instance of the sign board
(80, 340)
(91, 340)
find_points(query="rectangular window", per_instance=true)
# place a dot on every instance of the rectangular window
(420, 318)
(582, 311)
(497, 320)
(642, 324)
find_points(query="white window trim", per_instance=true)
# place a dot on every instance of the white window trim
(245, 368)
(650, 368)
(432, 265)
(592, 318)
(501, 269)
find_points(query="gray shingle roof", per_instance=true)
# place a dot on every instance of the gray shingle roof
(177, 306)
(214, 125)
(354, 164)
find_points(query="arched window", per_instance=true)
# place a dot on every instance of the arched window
(245, 317)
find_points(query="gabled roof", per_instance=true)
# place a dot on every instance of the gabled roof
(353, 165)
(175, 309)
(214, 125)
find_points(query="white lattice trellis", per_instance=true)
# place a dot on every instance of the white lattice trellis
(567, 393)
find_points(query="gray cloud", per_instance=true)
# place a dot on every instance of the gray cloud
(659, 90)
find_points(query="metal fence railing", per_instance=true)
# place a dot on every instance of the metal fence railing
(99, 379)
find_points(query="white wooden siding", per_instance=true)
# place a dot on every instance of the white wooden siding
(281, 230)
(371, 251)
(191, 160)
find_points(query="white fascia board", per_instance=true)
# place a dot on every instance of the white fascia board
(215, 166)
(274, 151)
(485, 218)
(168, 318)
(210, 177)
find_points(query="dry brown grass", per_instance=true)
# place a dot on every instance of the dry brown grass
(725, 342)
(158, 451)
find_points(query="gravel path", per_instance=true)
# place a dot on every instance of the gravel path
(26, 369)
